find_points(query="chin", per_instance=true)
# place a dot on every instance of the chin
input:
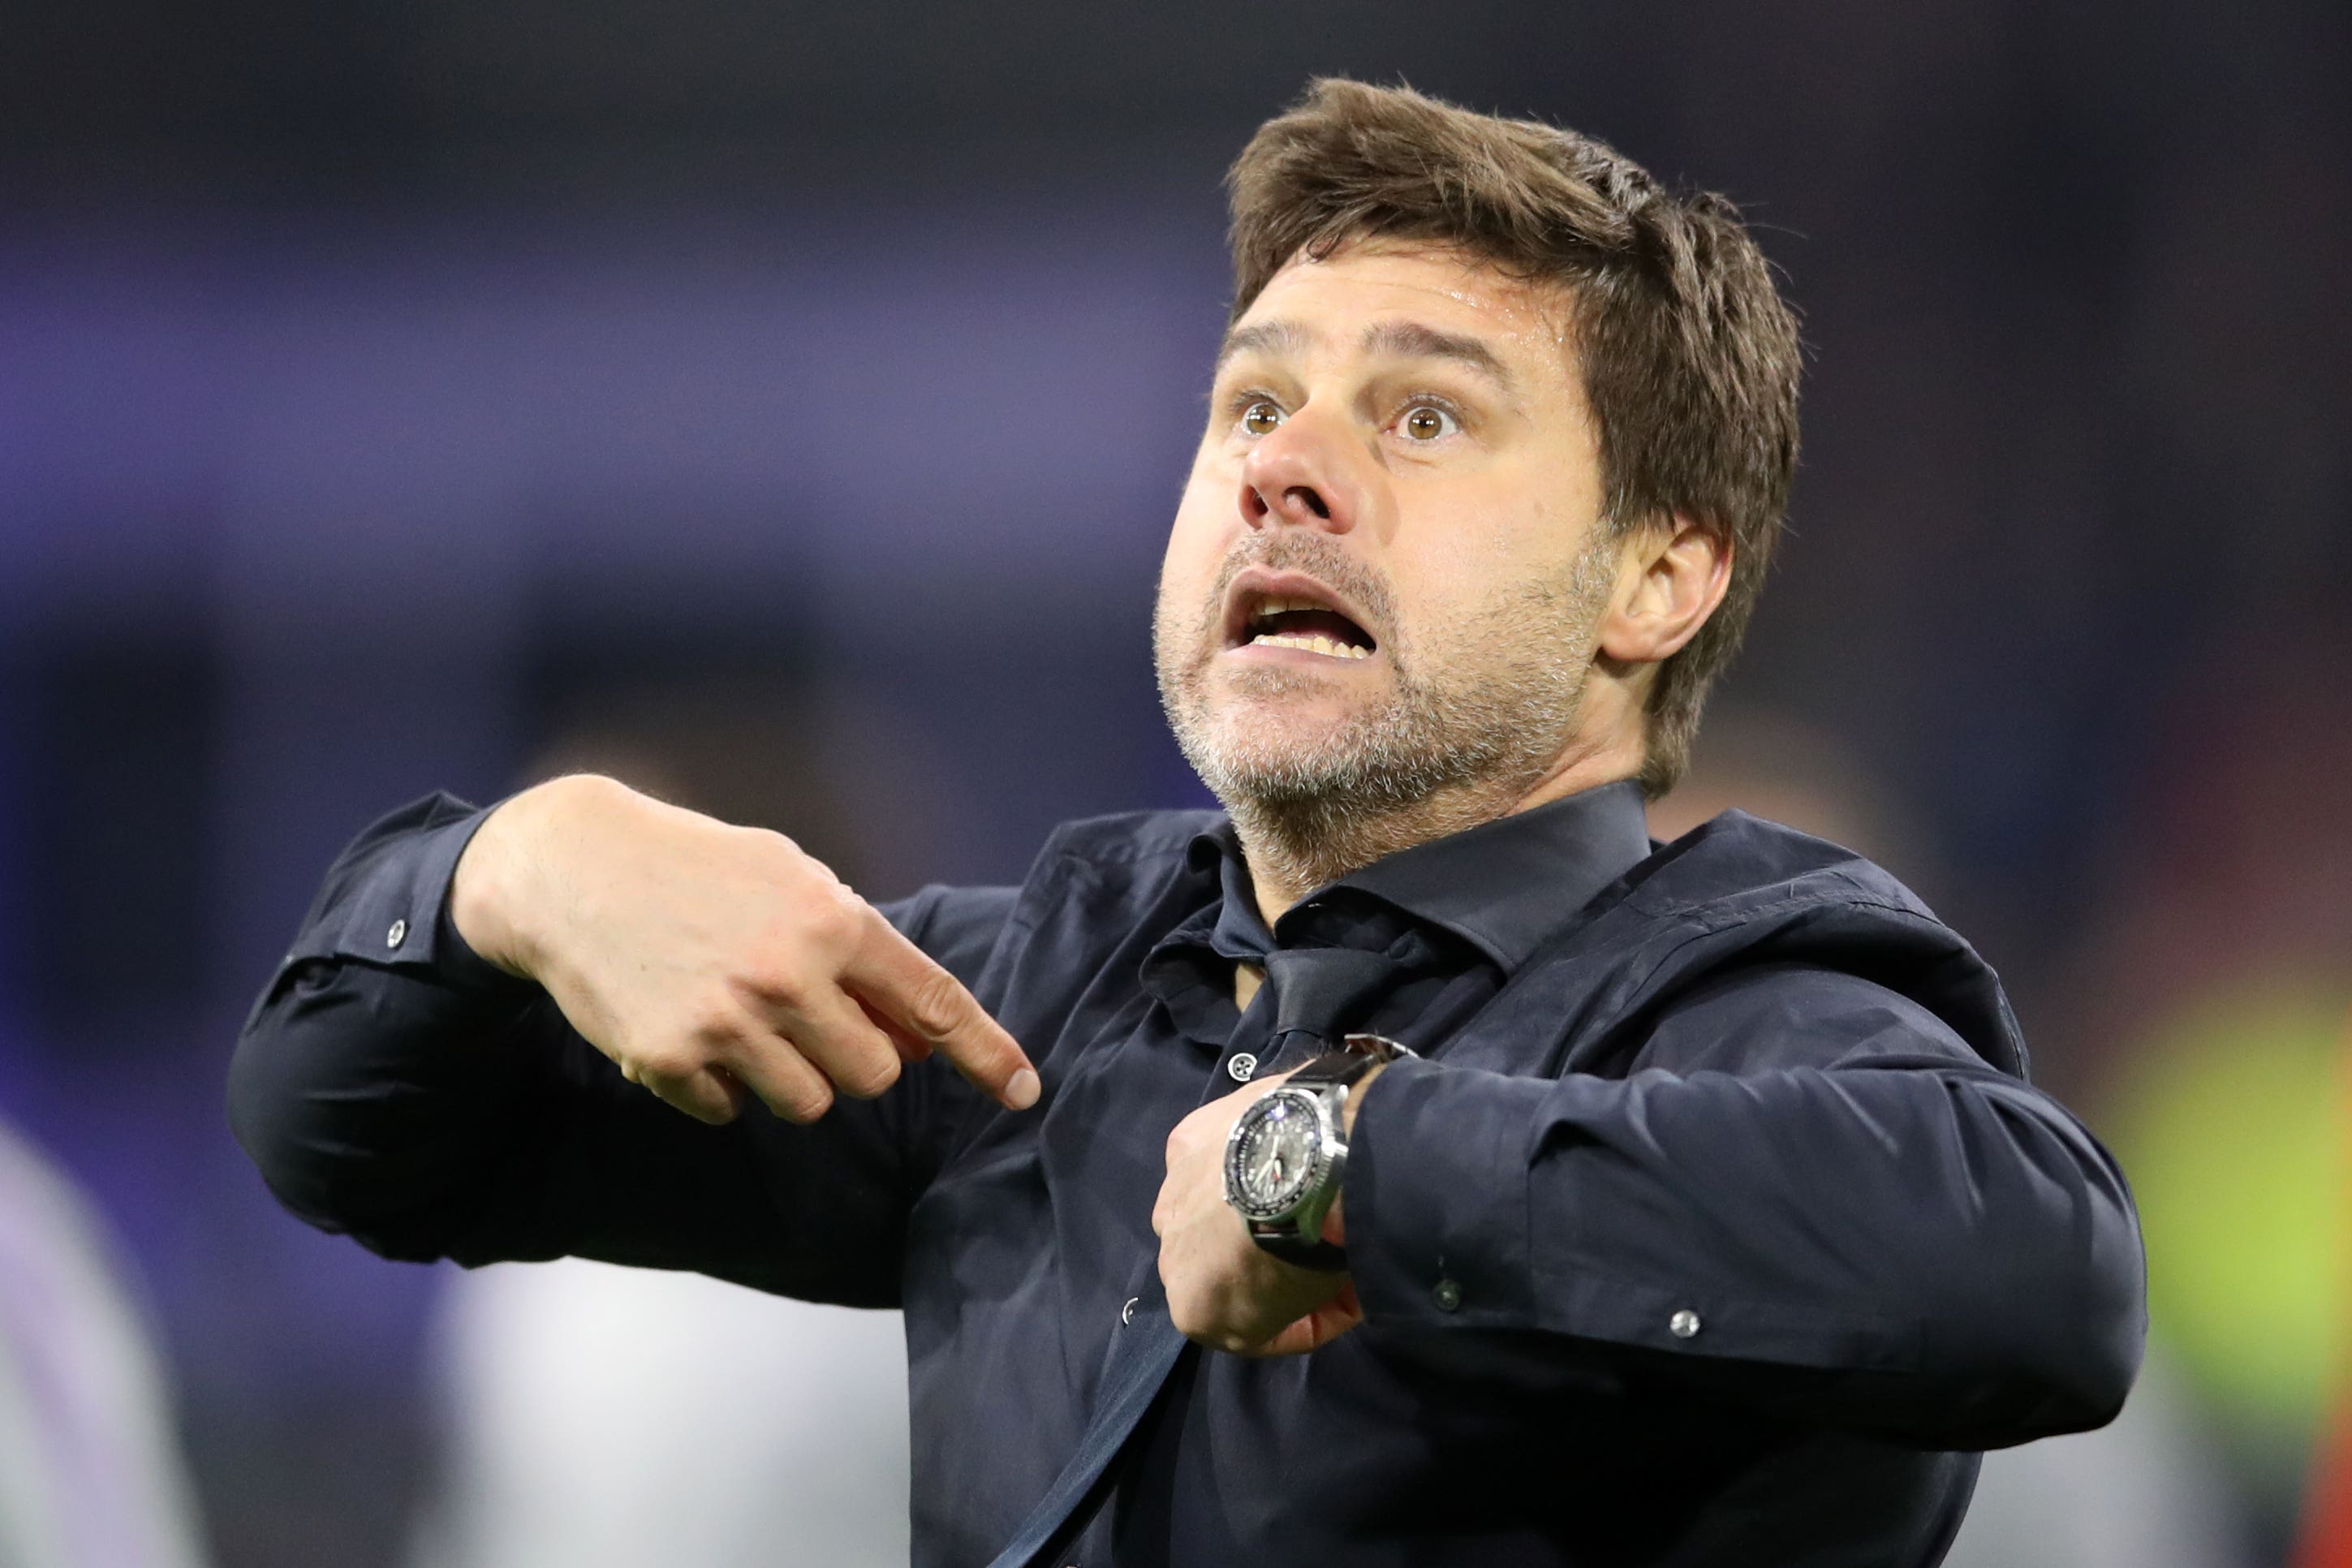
(1267, 756)
(1283, 730)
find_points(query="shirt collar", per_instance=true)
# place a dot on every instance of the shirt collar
(1503, 886)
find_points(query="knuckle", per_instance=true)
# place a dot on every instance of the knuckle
(832, 920)
(770, 843)
(804, 1103)
(869, 1074)
(793, 864)
(712, 1020)
(660, 1067)
(936, 1004)
(769, 978)
(717, 1111)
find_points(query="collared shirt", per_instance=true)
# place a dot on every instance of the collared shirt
(1715, 1226)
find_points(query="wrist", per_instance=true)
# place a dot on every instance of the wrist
(1335, 1219)
(1356, 1100)
(491, 897)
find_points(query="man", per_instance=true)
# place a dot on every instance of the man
(1669, 1206)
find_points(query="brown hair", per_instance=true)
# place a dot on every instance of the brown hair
(1690, 357)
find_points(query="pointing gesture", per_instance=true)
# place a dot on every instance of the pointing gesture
(710, 961)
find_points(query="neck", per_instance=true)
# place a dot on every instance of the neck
(1293, 847)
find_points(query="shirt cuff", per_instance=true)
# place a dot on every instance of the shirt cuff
(1436, 1203)
(391, 907)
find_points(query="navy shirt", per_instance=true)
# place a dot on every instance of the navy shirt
(1716, 1222)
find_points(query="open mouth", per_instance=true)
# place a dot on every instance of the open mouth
(1288, 623)
(1296, 612)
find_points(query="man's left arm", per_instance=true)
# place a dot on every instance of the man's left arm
(1809, 1192)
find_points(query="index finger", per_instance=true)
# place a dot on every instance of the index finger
(902, 983)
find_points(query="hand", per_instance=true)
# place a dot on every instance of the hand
(1224, 1290)
(708, 960)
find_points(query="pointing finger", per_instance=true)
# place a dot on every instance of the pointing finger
(899, 983)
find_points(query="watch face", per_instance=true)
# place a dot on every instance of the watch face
(1274, 1155)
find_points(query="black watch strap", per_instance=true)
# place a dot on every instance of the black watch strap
(1343, 1066)
(1307, 1252)
(1348, 1061)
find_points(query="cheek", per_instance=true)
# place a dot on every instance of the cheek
(1201, 534)
(1453, 574)
(1440, 590)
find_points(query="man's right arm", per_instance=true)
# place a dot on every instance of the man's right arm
(433, 1098)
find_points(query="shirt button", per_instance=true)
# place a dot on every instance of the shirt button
(397, 934)
(1244, 1067)
(1448, 1295)
(1683, 1324)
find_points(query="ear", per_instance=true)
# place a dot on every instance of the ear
(1670, 579)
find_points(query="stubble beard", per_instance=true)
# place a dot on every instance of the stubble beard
(1474, 716)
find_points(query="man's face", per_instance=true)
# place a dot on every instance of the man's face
(1384, 579)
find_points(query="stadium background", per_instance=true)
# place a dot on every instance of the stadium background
(787, 402)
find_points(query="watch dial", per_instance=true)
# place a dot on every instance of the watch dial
(1275, 1157)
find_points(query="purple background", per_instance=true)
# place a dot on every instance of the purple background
(385, 395)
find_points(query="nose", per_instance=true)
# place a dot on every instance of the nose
(1294, 474)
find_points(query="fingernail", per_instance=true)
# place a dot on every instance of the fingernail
(1020, 1089)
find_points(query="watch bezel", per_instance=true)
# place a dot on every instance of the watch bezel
(1327, 1157)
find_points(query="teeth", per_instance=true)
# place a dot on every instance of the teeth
(1323, 646)
(1273, 604)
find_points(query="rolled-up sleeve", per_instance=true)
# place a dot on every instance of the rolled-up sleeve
(1808, 1192)
(391, 1085)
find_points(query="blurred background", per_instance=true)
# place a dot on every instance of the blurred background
(783, 406)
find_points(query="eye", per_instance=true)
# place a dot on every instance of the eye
(1260, 417)
(1427, 422)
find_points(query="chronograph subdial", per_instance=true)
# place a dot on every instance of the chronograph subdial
(1278, 1151)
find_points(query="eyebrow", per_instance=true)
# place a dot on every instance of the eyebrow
(1410, 339)
(1395, 339)
(1276, 338)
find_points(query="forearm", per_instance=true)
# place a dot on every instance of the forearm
(1923, 1249)
(425, 1125)
(378, 1105)
(402, 1090)
(387, 1075)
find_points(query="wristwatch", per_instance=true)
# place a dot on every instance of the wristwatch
(1287, 1153)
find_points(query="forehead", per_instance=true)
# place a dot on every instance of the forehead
(1371, 283)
